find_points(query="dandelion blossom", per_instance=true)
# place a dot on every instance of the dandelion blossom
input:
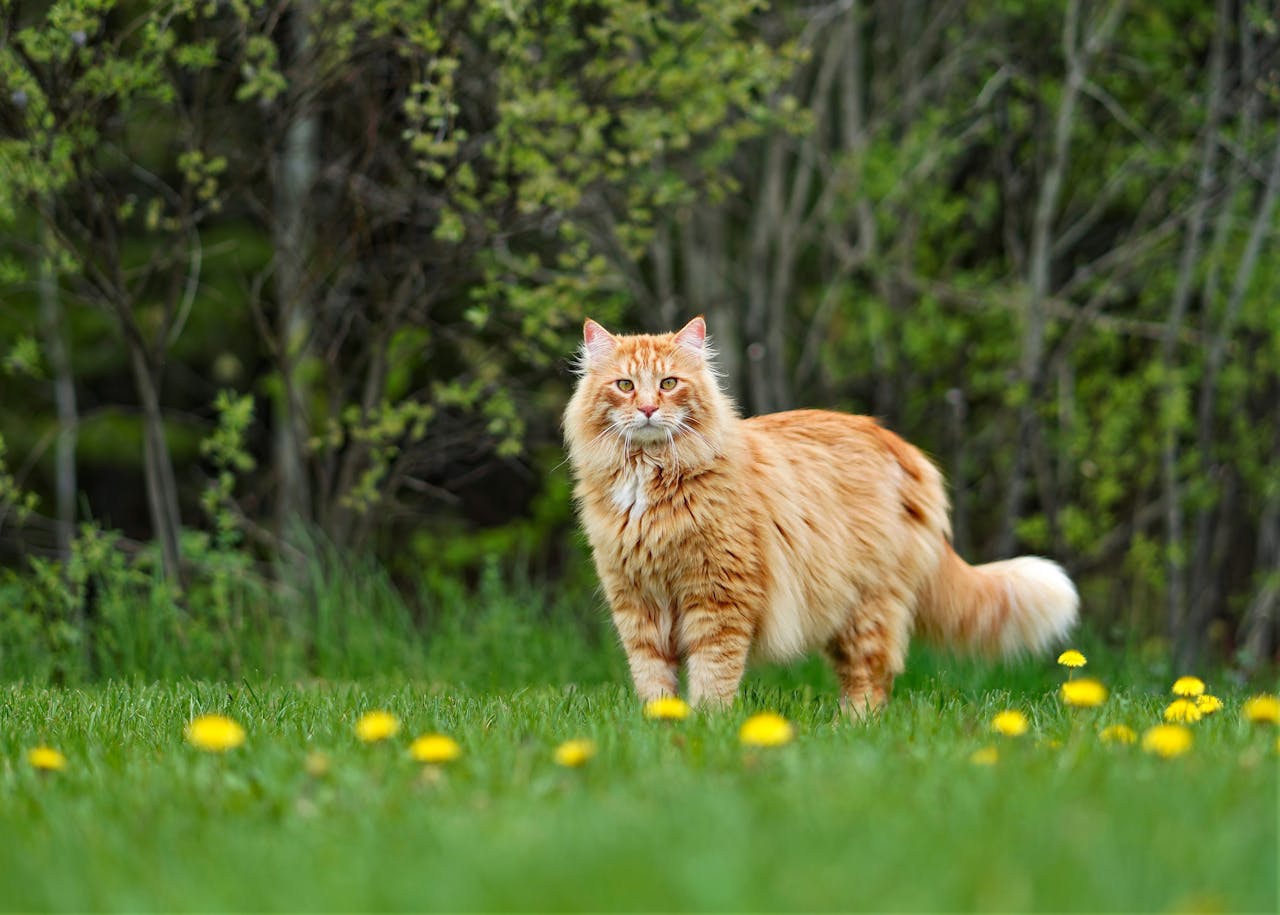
(435, 748)
(1188, 686)
(767, 729)
(668, 708)
(1262, 710)
(317, 764)
(375, 726)
(987, 756)
(46, 759)
(1208, 704)
(1072, 658)
(1084, 693)
(214, 733)
(575, 753)
(1010, 723)
(1117, 733)
(1183, 710)
(1167, 740)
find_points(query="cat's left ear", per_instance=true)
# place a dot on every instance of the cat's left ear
(693, 337)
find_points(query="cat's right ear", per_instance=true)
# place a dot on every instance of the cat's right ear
(597, 343)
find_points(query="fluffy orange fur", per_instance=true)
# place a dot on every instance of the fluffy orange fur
(717, 537)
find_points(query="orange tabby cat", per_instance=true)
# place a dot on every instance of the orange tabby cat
(716, 536)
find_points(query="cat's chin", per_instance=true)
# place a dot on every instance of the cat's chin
(650, 435)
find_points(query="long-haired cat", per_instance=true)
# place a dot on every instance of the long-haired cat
(717, 537)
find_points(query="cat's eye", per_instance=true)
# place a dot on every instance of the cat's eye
(626, 385)
(667, 384)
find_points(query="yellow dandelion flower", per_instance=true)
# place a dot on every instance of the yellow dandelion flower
(1182, 710)
(214, 733)
(1072, 658)
(375, 726)
(575, 753)
(435, 748)
(668, 708)
(767, 729)
(1117, 733)
(1084, 693)
(1208, 704)
(1262, 710)
(1010, 723)
(46, 759)
(987, 756)
(1188, 686)
(1167, 740)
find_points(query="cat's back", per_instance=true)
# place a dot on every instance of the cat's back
(842, 453)
(823, 428)
(824, 435)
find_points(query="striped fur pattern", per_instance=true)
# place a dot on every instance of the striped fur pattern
(718, 539)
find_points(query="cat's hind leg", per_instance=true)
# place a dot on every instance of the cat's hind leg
(869, 652)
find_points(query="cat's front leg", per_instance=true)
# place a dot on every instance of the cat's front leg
(645, 630)
(716, 641)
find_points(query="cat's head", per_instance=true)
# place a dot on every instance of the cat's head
(649, 392)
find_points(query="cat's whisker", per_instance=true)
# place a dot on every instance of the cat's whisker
(591, 444)
(609, 431)
(689, 427)
(675, 455)
(621, 437)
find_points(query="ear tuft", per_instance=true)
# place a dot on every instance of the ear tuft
(597, 342)
(693, 336)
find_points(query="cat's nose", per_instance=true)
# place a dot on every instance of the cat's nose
(648, 410)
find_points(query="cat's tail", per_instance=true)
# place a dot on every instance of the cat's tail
(1005, 608)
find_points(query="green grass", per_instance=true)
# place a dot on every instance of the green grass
(889, 815)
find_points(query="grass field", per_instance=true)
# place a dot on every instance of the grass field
(889, 815)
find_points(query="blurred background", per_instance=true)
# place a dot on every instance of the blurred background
(289, 293)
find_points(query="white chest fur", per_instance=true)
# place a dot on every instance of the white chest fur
(631, 491)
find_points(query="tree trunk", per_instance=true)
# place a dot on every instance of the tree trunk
(957, 431)
(1175, 559)
(1079, 45)
(64, 395)
(702, 237)
(162, 488)
(294, 175)
(669, 305)
(1190, 638)
(1259, 630)
(767, 214)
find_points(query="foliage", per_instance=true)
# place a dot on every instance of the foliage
(349, 244)
(986, 247)
(13, 500)
(107, 614)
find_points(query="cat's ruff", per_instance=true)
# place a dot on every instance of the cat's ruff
(717, 537)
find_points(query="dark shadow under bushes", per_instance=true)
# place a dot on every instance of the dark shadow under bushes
(104, 615)
(109, 615)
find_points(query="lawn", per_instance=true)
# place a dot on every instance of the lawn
(887, 815)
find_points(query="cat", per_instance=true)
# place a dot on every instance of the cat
(718, 539)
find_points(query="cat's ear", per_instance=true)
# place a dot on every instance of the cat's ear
(693, 337)
(596, 342)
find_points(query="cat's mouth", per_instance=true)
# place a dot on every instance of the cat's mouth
(648, 431)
